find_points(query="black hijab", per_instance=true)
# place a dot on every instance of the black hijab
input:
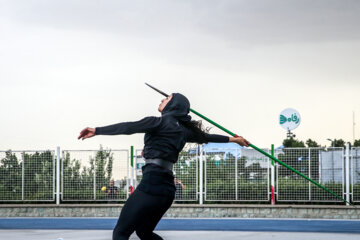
(178, 107)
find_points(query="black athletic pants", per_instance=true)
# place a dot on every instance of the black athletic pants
(141, 213)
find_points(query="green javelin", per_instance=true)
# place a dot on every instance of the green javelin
(271, 157)
(257, 149)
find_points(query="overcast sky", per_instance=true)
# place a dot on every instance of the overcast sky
(66, 65)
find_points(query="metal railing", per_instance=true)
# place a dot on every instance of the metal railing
(355, 176)
(27, 175)
(88, 175)
(325, 166)
(212, 175)
(186, 174)
(236, 175)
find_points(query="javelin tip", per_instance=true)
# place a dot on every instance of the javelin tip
(161, 92)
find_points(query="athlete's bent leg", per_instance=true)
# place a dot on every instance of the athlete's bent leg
(129, 218)
(160, 205)
(141, 212)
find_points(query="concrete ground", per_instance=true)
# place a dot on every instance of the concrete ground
(176, 229)
(20, 234)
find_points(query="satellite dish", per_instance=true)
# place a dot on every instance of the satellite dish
(289, 119)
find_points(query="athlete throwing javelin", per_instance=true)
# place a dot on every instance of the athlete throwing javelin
(165, 137)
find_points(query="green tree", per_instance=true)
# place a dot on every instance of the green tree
(293, 143)
(37, 169)
(257, 169)
(243, 171)
(78, 180)
(38, 175)
(10, 177)
(104, 163)
(298, 159)
(357, 143)
(311, 143)
(338, 143)
(220, 176)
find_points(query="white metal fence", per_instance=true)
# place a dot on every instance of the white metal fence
(90, 175)
(214, 175)
(355, 170)
(323, 166)
(236, 175)
(27, 175)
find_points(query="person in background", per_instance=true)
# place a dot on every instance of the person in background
(179, 188)
(111, 191)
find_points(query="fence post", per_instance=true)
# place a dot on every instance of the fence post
(94, 177)
(310, 174)
(127, 174)
(272, 176)
(58, 176)
(132, 169)
(236, 176)
(23, 177)
(201, 176)
(347, 173)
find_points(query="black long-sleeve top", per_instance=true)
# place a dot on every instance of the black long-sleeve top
(164, 137)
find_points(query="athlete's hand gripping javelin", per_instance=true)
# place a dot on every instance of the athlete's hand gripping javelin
(87, 133)
(239, 140)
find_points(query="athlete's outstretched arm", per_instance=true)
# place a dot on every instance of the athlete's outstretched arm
(147, 124)
(206, 138)
(223, 139)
